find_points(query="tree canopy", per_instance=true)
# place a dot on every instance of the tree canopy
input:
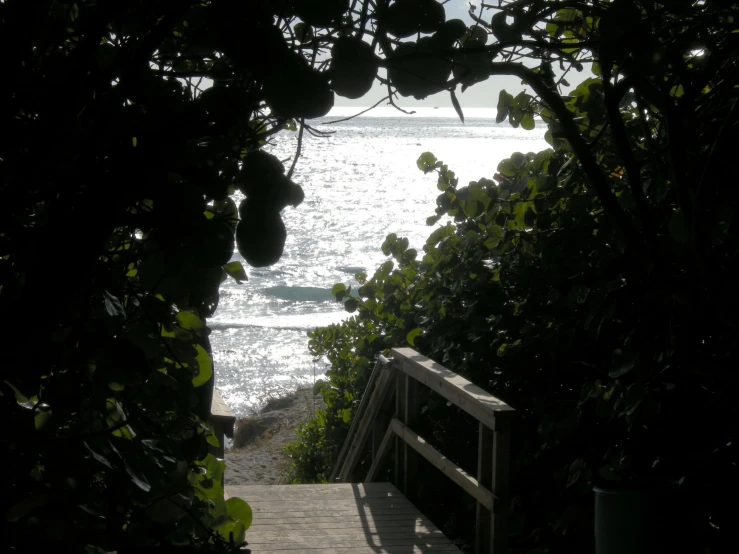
(118, 163)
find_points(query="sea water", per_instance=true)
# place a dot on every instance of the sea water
(361, 183)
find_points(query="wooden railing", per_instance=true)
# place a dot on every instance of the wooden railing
(222, 421)
(387, 426)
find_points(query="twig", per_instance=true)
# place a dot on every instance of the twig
(392, 102)
(613, 95)
(357, 114)
(317, 132)
(297, 151)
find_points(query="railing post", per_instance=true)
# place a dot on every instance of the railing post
(380, 425)
(501, 483)
(400, 449)
(407, 411)
(493, 458)
(483, 517)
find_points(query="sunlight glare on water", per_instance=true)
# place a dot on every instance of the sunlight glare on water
(360, 184)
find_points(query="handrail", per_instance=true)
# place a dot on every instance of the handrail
(381, 361)
(381, 391)
(406, 369)
(480, 404)
(444, 464)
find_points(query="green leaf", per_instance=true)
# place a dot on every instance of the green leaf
(28, 504)
(456, 105)
(622, 364)
(426, 162)
(212, 440)
(581, 293)
(507, 168)
(113, 305)
(321, 13)
(238, 533)
(405, 18)
(240, 511)
(474, 36)
(318, 387)
(278, 89)
(189, 320)
(337, 288)
(138, 478)
(164, 510)
(98, 457)
(492, 242)
(504, 105)
(527, 122)
(303, 32)
(205, 366)
(412, 335)
(236, 271)
(353, 67)
(351, 305)
(677, 91)
(41, 419)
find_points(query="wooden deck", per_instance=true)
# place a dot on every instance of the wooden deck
(342, 518)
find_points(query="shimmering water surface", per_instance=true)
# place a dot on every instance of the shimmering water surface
(360, 184)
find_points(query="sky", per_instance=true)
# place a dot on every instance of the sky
(482, 95)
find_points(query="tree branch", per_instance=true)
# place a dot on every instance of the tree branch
(589, 165)
(298, 149)
(613, 96)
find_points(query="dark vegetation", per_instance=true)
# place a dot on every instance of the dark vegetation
(117, 225)
(588, 286)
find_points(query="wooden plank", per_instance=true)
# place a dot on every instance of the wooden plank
(411, 414)
(480, 404)
(334, 505)
(381, 362)
(395, 500)
(483, 516)
(390, 532)
(445, 465)
(401, 448)
(382, 451)
(326, 491)
(405, 549)
(501, 486)
(382, 390)
(340, 513)
(331, 541)
(353, 520)
(219, 409)
(381, 424)
(384, 501)
(345, 518)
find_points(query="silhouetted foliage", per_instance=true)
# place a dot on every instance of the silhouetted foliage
(125, 128)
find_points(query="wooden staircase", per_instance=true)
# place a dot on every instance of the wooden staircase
(349, 518)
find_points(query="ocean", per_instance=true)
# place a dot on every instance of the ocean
(361, 183)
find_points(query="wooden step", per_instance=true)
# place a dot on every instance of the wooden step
(346, 518)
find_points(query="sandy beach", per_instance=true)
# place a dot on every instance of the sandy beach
(258, 454)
